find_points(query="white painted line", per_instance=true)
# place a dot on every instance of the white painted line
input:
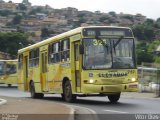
(92, 112)
(115, 111)
(2, 101)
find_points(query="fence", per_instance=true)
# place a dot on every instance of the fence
(149, 78)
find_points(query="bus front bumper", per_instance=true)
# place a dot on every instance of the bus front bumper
(92, 88)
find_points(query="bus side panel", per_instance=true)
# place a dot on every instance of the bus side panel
(56, 74)
(51, 76)
(11, 79)
(20, 80)
(34, 75)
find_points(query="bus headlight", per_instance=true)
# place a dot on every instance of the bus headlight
(91, 81)
(133, 79)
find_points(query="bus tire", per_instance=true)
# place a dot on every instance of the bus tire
(114, 98)
(33, 93)
(67, 92)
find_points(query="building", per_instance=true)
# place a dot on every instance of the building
(4, 56)
(8, 6)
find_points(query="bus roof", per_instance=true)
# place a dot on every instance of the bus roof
(8, 60)
(65, 34)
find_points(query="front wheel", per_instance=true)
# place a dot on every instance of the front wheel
(67, 92)
(114, 98)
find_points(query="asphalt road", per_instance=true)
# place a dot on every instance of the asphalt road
(99, 105)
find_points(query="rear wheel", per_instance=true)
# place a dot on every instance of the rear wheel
(114, 98)
(33, 93)
(67, 92)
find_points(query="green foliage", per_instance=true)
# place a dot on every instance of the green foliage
(38, 10)
(143, 55)
(153, 45)
(102, 19)
(138, 32)
(112, 13)
(157, 24)
(157, 60)
(149, 22)
(144, 31)
(128, 17)
(17, 20)
(45, 33)
(5, 12)
(9, 42)
(21, 6)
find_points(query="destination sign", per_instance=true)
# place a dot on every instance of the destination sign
(107, 32)
(119, 33)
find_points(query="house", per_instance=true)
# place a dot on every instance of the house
(3, 21)
(4, 56)
(8, 6)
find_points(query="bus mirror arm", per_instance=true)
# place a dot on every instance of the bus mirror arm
(81, 49)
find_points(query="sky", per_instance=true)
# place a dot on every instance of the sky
(148, 8)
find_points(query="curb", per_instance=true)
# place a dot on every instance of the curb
(135, 97)
(2, 101)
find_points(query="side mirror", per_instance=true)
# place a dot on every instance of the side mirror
(81, 49)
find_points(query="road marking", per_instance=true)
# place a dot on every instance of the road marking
(91, 112)
(115, 111)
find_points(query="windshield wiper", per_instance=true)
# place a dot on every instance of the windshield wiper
(121, 37)
(103, 43)
(115, 44)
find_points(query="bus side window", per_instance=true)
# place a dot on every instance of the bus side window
(10, 69)
(65, 50)
(20, 61)
(54, 52)
(34, 58)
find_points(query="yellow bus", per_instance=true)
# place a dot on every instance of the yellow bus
(8, 73)
(86, 61)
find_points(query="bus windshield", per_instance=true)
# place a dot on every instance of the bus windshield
(7, 68)
(108, 53)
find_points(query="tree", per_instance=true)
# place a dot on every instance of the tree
(149, 22)
(149, 33)
(103, 18)
(5, 12)
(45, 33)
(112, 13)
(143, 55)
(17, 19)
(138, 32)
(9, 42)
(158, 23)
(21, 6)
(145, 31)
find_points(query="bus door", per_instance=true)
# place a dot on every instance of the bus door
(77, 66)
(25, 73)
(44, 71)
